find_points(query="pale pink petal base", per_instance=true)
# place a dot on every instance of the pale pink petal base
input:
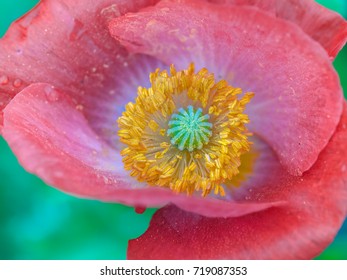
(317, 206)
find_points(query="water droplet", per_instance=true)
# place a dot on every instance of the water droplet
(112, 92)
(77, 30)
(51, 94)
(106, 66)
(110, 12)
(292, 91)
(79, 107)
(4, 80)
(261, 65)
(125, 64)
(106, 180)
(19, 51)
(17, 83)
(94, 69)
(140, 209)
(58, 174)
(99, 76)
(344, 168)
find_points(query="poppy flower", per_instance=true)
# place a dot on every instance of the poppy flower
(227, 114)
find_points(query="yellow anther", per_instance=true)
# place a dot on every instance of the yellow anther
(153, 125)
(165, 145)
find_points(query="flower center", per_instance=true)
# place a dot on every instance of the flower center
(186, 132)
(189, 129)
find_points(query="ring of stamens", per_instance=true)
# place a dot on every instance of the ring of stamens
(187, 132)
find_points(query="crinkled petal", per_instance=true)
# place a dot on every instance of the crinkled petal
(323, 25)
(66, 43)
(317, 206)
(298, 98)
(52, 139)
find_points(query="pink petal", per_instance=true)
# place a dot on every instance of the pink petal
(52, 139)
(66, 43)
(317, 206)
(298, 97)
(323, 25)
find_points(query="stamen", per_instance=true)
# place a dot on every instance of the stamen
(186, 133)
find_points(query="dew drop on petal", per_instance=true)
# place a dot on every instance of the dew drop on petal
(17, 83)
(110, 12)
(58, 174)
(140, 209)
(4, 80)
(51, 94)
(79, 107)
(77, 31)
(106, 180)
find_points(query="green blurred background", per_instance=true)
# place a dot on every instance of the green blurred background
(40, 222)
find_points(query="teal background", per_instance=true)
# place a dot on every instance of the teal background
(40, 222)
